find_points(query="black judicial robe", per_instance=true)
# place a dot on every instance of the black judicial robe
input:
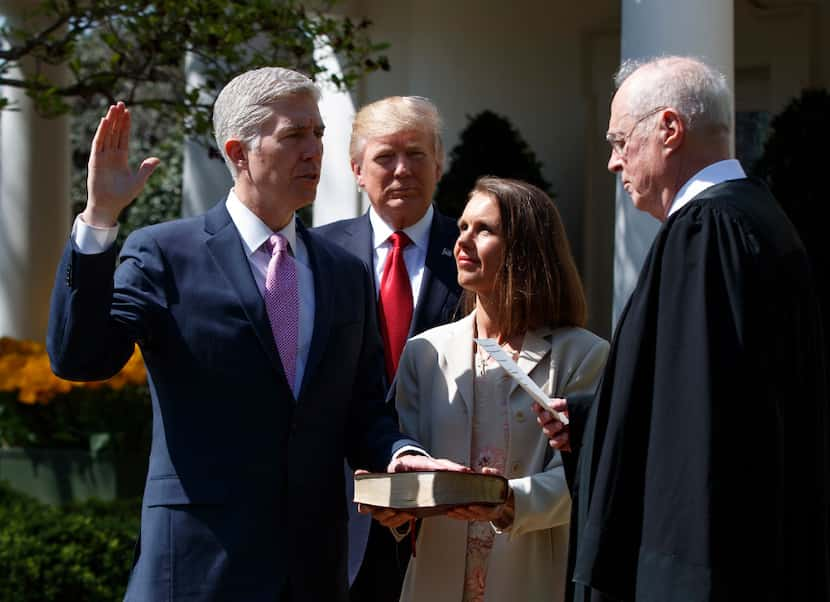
(703, 472)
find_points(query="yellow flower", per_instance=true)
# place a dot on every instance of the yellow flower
(24, 368)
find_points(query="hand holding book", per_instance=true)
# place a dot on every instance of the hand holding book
(501, 515)
(372, 497)
(427, 492)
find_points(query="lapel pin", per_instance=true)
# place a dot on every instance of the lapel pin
(446, 252)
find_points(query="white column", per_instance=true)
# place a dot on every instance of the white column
(34, 204)
(703, 28)
(205, 178)
(337, 196)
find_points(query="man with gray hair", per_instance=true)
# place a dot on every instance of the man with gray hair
(397, 158)
(703, 470)
(262, 353)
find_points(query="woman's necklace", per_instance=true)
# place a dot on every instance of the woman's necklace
(483, 358)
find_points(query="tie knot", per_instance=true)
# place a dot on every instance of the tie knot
(276, 243)
(399, 239)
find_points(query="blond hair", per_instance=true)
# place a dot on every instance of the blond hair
(395, 114)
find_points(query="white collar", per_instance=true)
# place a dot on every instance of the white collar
(721, 171)
(254, 231)
(418, 232)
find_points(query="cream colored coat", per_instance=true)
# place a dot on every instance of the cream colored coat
(434, 401)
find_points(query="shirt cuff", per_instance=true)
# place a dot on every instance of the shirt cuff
(411, 449)
(91, 239)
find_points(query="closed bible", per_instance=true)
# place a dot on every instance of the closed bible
(429, 492)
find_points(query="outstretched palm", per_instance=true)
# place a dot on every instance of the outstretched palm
(111, 184)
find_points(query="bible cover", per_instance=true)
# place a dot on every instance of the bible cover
(428, 493)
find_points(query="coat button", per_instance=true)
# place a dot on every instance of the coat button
(520, 416)
(516, 468)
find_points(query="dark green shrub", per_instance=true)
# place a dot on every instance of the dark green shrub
(98, 420)
(79, 553)
(489, 146)
(794, 157)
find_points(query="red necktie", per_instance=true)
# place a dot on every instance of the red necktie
(395, 303)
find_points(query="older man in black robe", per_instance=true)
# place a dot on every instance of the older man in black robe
(703, 469)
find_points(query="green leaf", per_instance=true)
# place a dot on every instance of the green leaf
(99, 442)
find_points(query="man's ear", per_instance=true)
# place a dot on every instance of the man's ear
(237, 153)
(356, 170)
(672, 129)
(439, 170)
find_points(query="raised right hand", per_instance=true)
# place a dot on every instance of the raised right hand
(111, 184)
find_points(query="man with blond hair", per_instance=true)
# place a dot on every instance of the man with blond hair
(703, 468)
(262, 352)
(406, 243)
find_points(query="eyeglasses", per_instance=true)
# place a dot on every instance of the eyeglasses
(618, 143)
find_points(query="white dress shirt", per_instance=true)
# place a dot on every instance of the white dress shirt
(729, 169)
(414, 255)
(254, 234)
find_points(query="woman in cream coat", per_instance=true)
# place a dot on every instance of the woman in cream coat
(522, 289)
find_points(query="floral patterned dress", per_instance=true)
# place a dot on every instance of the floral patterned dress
(490, 440)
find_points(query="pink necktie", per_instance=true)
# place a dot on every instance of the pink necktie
(395, 303)
(282, 303)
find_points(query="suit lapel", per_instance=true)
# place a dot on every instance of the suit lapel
(460, 361)
(535, 346)
(358, 240)
(227, 250)
(439, 276)
(325, 277)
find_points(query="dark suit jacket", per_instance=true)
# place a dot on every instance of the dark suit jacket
(703, 473)
(439, 295)
(384, 563)
(244, 495)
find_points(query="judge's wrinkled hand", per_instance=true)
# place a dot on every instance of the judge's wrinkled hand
(501, 516)
(557, 432)
(111, 184)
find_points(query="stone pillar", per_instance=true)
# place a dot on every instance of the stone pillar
(337, 196)
(205, 178)
(650, 28)
(34, 203)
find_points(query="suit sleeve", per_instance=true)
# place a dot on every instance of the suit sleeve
(406, 392)
(580, 394)
(372, 420)
(543, 500)
(98, 313)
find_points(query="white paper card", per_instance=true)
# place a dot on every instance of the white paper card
(524, 381)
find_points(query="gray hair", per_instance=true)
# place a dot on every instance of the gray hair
(697, 91)
(394, 114)
(245, 105)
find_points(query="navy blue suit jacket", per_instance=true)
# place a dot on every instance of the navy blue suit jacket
(244, 494)
(381, 575)
(439, 294)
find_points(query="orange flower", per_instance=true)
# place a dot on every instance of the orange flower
(24, 368)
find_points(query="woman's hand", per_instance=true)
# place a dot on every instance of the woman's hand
(558, 433)
(501, 516)
(385, 516)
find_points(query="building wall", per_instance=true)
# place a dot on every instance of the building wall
(524, 59)
(547, 66)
